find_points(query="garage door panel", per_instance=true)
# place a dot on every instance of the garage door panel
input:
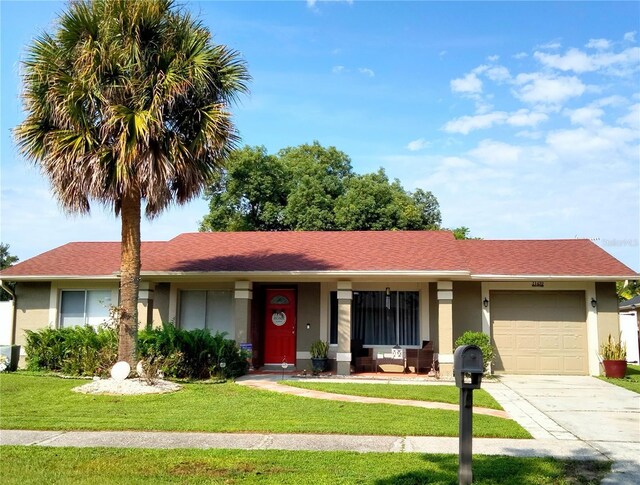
(526, 343)
(541, 332)
(572, 342)
(526, 363)
(574, 365)
(550, 343)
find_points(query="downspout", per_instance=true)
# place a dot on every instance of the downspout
(12, 294)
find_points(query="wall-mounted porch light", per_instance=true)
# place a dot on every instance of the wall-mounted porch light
(485, 302)
(308, 326)
(594, 303)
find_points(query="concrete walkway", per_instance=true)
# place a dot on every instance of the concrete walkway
(269, 384)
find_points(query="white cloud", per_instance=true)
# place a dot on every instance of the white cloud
(613, 144)
(419, 144)
(572, 60)
(630, 36)
(587, 116)
(466, 124)
(366, 71)
(493, 58)
(491, 152)
(498, 73)
(598, 44)
(338, 69)
(632, 118)
(468, 84)
(538, 88)
(441, 54)
(312, 4)
(619, 64)
(524, 117)
(520, 55)
(457, 162)
(615, 100)
(554, 44)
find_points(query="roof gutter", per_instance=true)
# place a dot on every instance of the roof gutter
(12, 326)
(543, 277)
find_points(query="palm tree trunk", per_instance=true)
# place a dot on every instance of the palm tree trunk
(129, 276)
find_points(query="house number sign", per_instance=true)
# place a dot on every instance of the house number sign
(278, 319)
(537, 284)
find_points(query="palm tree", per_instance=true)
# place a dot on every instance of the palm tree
(127, 104)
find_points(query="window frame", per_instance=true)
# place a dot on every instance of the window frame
(179, 309)
(332, 296)
(85, 316)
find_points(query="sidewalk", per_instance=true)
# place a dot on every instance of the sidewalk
(323, 442)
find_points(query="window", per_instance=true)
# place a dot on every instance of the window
(375, 324)
(84, 307)
(208, 309)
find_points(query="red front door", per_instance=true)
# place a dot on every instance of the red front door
(280, 327)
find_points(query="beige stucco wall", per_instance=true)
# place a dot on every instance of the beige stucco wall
(467, 307)
(161, 294)
(32, 308)
(308, 312)
(608, 317)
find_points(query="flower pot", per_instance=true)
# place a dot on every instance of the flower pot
(319, 365)
(615, 368)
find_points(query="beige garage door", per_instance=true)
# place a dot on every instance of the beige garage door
(541, 332)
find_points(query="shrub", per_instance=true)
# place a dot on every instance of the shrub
(73, 350)
(194, 354)
(480, 339)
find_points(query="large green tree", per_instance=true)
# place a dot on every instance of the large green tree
(6, 260)
(127, 104)
(311, 188)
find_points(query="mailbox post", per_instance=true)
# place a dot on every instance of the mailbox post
(467, 369)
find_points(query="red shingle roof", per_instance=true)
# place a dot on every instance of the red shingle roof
(556, 257)
(432, 251)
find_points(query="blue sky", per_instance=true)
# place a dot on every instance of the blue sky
(522, 118)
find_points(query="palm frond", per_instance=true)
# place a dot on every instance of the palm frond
(128, 96)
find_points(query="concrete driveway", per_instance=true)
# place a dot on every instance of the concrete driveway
(604, 416)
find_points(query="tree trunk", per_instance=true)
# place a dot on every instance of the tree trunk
(129, 276)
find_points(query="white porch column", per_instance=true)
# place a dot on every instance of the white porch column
(343, 356)
(445, 327)
(242, 310)
(593, 344)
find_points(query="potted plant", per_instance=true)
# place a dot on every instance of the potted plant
(614, 358)
(319, 350)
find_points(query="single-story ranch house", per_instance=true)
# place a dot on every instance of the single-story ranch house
(547, 304)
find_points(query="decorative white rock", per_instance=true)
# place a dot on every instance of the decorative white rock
(120, 371)
(140, 369)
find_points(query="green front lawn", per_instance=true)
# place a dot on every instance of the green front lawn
(38, 402)
(433, 393)
(35, 465)
(631, 380)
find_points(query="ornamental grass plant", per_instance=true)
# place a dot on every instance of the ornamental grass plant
(612, 350)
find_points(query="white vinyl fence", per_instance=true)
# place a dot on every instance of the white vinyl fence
(6, 309)
(629, 334)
